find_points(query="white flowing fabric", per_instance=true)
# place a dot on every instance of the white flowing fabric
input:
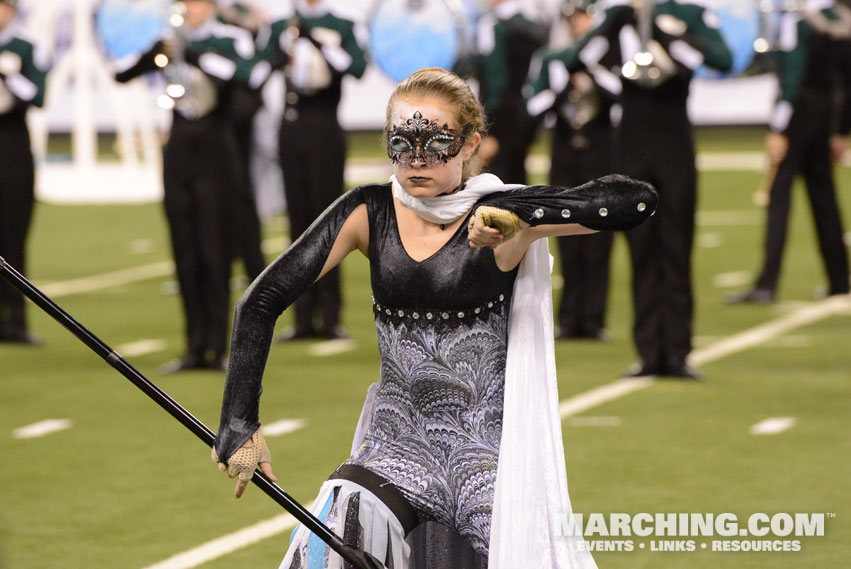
(531, 502)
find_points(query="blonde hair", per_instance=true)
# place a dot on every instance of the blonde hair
(448, 87)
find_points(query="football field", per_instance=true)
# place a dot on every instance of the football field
(96, 476)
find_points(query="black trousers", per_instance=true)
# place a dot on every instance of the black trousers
(577, 158)
(200, 177)
(809, 154)
(313, 158)
(244, 103)
(16, 206)
(655, 145)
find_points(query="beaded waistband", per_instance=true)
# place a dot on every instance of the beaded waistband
(436, 314)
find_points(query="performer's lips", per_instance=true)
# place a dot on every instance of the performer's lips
(419, 179)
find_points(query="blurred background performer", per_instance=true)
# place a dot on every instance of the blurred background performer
(23, 69)
(506, 42)
(244, 103)
(317, 48)
(200, 169)
(809, 128)
(658, 45)
(581, 151)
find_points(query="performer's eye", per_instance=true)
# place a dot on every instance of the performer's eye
(440, 143)
(399, 144)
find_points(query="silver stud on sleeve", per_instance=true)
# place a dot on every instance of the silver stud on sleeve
(642, 206)
(603, 212)
(538, 213)
(565, 213)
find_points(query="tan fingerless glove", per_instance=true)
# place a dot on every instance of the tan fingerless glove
(245, 460)
(488, 216)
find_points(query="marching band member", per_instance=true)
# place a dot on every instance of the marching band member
(245, 101)
(23, 69)
(657, 45)
(317, 48)
(581, 151)
(506, 42)
(808, 132)
(200, 169)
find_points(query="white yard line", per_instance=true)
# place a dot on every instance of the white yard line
(282, 427)
(42, 428)
(602, 394)
(128, 276)
(773, 328)
(227, 543)
(108, 280)
(141, 348)
(332, 347)
(594, 422)
(773, 426)
(569, 407)
(732, 279)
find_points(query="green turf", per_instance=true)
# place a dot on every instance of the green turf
(127, 486)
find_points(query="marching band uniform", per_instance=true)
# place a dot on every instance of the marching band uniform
(506, 42)
(244, 102)
(814, 75)
(581, 151)
(23, 69)
(318, 48)
(655, 144)
(200, 176)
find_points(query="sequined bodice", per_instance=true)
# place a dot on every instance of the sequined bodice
(442, 334)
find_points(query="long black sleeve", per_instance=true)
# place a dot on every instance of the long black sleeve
(614, 203)
(143, 64)
(256, 312)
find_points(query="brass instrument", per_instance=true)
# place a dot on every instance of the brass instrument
(307, 71)
(651, 65)
(188, 90)
(770, 12)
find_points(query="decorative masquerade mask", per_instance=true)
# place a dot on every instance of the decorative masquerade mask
(424, 140)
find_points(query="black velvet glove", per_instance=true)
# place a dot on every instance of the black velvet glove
(278, 59)
(191, 55)
(613, 203)
(256, 312)
(620, 16)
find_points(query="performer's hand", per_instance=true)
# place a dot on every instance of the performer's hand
(245, 460)
(838, 146)
(167, 46)
(488, 149)
(777, 146)
(489, 226)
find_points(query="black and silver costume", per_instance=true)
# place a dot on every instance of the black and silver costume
(434, 423)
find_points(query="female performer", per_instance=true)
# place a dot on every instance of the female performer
(463, 426)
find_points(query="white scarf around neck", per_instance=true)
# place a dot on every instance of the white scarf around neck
(531, 500)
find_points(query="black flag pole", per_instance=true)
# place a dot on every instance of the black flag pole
(359, 559)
